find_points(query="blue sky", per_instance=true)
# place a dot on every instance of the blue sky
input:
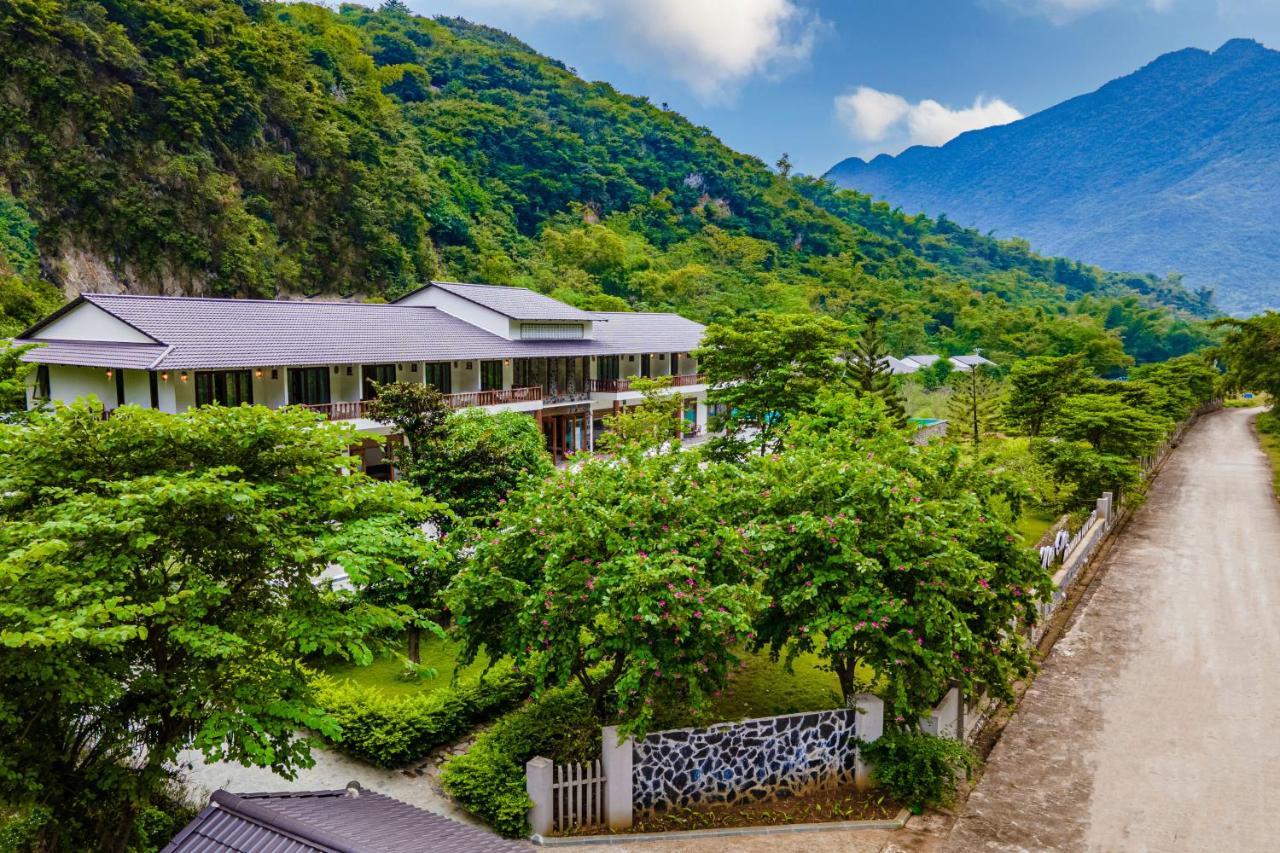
(824, 79)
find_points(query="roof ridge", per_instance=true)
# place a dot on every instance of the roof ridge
(282, 823)
(251, 300)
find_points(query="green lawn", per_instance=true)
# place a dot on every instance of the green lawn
(383, 674)
(765, 689)
(1034, 523)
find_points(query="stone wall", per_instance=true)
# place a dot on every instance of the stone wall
(763, 759)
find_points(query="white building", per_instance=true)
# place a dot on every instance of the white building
(497, 348)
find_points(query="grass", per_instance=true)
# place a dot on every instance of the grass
(764, 688)
(384, 673)
(920, 403)
(1034, 523)
(1268, 430)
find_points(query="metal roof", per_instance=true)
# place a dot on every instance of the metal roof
(518, 303)
(347, 821)
(200, 333)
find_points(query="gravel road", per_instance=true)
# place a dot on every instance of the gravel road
(1150, 727)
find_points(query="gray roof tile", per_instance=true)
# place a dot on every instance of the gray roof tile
(327, 822)
(97, 354)
(241, 333)
(518, 303)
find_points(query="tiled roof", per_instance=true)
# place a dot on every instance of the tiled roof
(922, 360)
(638, 332)
(347, 821)
(242, 333)
(97, 354)
(518, 303)
(971, 360)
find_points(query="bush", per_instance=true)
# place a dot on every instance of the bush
(393, 731)
(488, 779)
(917, 769)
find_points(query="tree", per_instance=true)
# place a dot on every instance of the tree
(936, 375)
(1085, 471)
(158, 592)
(418, 412)
(890, 561)
(1251, 351)
(784, 165)
(972, 408)
(765, 369)
(1109, 424)
(478, 457)
(617, 574)
(870, 373)
(1036, 388)
(653, 423)
(13, 381)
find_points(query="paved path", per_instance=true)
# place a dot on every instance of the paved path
(1153, 724)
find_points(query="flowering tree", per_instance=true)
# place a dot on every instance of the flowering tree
(890, 557)
(625, 575)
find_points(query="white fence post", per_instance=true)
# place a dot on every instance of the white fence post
(869, 727)
(1104, 507)
(616, 758)
(538, 784)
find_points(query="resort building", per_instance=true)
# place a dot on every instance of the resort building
(496, 348)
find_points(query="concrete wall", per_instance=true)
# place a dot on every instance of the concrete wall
(68, 384)
(463, 309)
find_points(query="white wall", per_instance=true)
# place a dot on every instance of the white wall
(464, 379)
(68, 384)
(463, 309)
(344, 388)
(88, 322)
(270, 392)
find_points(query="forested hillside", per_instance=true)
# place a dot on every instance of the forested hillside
(1173, 167)
(248, 148)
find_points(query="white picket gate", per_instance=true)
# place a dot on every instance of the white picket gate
(578, 792)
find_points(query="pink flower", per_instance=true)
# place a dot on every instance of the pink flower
(591, 582)
(982, 582)
(697, 614)
(545, 623)
(662, 602)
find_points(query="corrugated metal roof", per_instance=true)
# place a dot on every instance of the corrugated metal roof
(242, 333)
(327, 822)
(518, 303)
(96, 354)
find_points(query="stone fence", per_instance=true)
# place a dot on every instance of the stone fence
(748, 761)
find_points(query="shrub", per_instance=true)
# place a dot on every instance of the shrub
(917, 769)
(393, 731)
(488, 779)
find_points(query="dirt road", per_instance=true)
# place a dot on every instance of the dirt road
(1153, 725)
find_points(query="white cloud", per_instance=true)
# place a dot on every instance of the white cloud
(890, 123)
(711, 45)
(1065, 11)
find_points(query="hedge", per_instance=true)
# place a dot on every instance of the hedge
(488, 779)
(394, 731)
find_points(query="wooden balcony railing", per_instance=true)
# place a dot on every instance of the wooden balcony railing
(621, 386)
(350, 410)
(471, 399)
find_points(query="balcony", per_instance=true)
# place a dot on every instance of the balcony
(351, 410)
(623, 386)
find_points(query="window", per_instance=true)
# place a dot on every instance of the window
(42, 382)
(438, 374)
(551, 331)
(608, 367)
(490, 375)
(309, 385)
(224, 387)
(375, 374)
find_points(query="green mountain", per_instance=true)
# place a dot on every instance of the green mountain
(1173, 167)
(237, 147)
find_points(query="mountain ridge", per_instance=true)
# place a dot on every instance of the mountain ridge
(1171, 168)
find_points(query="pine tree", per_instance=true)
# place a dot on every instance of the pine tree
(870, 372)
(973, 405)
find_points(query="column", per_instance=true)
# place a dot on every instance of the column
(616, 759)
(538, 785)
(870, 725)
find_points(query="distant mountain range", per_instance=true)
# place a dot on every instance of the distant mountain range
(1175, 167)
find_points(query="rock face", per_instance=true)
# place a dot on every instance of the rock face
(753, 760)
(1175, 167)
